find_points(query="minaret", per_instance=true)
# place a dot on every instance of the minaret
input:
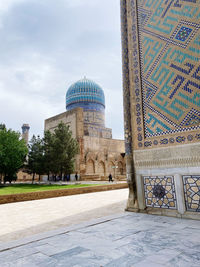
(25, 132)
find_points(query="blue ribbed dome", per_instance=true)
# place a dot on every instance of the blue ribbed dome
(86, 94)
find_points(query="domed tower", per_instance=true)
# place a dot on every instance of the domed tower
(89, 96)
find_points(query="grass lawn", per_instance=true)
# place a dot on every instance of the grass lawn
(26, 188)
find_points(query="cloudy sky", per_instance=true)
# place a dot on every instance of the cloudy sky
(46, 45)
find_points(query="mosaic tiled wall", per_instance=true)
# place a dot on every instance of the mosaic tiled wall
(166, 70)
(192, 192)
(160, 192)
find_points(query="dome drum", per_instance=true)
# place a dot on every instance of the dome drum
(86, 106)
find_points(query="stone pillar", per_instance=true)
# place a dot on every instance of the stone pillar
(96, 167)
(140, 192)
(132, 204)
(179, 193)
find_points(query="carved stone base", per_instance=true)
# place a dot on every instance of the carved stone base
(132, 204)
(132, 209)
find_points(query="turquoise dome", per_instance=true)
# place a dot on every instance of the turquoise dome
(85, 94)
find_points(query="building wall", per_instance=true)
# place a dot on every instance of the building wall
(98, 156)
(103, 145)
(25, 177)
(161, 56)
(73, 118)
(94, 117)
(97, 131)
(94, 124)
(104, 156)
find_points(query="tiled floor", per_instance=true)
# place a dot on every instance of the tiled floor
(126, 239)
(22, 219)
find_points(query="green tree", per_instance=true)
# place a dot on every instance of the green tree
(54, 154)
(48, 152)
(13, 151)
(35, 162)
(65, 148)
(2, 126)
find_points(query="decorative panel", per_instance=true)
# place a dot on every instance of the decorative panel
(160, 192)
(164, 70)
(192, 192)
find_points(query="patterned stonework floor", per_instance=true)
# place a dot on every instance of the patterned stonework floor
(126, 239)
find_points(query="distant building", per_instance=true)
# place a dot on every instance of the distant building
(99, 153)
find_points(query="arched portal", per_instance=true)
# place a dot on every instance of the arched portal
(120, 169)
(90, 169)
(101, 168)
(111, 168)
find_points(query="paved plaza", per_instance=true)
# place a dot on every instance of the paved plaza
(87, 237)
(126, 239)
(23, 219)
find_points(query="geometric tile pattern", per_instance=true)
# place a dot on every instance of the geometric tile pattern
(169, 33)
(160, 192)
(192, 192)
(161, 72)
(183, 34)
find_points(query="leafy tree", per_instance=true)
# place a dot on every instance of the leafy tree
(65, 148)
(2, 126)
(35, 162)
(13, 151)
(48, 152)
(54, 154)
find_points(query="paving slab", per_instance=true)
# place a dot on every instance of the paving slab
(124, 240)
(24, 219)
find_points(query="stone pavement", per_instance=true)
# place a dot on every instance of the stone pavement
(125, 239)
(23, 219)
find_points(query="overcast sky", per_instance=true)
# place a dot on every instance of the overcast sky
(47, 45)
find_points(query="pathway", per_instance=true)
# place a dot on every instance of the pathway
(124, 240)
(22, 219)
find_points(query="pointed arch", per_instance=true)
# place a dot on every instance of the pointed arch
(111, 167)
(90, 167)
(101, 168)
(120, 169)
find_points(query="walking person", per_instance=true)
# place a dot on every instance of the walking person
(110, 178)
(76, 176)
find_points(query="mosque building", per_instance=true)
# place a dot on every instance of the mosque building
(99, 154)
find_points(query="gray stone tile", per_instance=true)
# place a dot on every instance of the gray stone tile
(185, 259)
(163, 256)
(128, 240)
(8, 255)
(87, 258)
(37, 259)
(69, 253)
(50, 250)
(146, 263)
(125, 261)
(24, 251)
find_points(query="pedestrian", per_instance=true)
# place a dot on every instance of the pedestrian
(68, 177)
(76, 176)
(110, 178)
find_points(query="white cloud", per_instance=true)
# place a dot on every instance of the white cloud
(6, 4)
(83, 3)
(47, 45)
